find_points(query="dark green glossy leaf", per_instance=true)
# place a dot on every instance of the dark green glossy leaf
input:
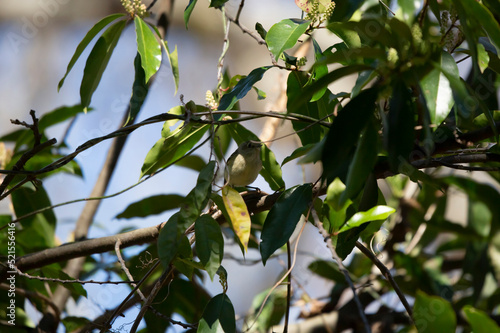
(188, 11)
(345, 9)
(209, 243)
(168, 150)
(433, 314)
(284, 35)
(153, 205)
(400, 135)
(295, 86)
(282, 219)
(260, 30)
(39, 230)
(148, 48)
(140, 90)
(85, 42)
(217, 3)
(98, 60)
(198, 197)
(271, 170)
(344, 134)
(362, 163)
(168, 241)
(218, 315)
(242, 88)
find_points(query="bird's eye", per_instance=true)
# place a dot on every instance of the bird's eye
(249, 144)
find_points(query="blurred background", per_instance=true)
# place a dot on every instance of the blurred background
(37, 40)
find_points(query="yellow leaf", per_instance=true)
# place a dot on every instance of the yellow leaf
(238, 212)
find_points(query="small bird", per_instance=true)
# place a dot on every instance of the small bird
(244, 165)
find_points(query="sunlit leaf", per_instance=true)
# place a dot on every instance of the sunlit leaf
(148, 48)
(479, 321)
(284, 35)
(86, 40)
(188, 11)
(374, 214)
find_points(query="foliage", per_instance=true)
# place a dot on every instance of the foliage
(383, 147)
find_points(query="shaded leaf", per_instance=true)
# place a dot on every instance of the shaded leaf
(209, 243)
(188, 11)
(479, 321)
(242, 88)
(344, 134)
(282, 219)
(153, 205)
(218, 316)
(139, 90)
(98, 60)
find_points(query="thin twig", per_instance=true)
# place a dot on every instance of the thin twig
(240, 8)
(342, 268)
(225, 46)
(288, 287)
(387, 274)
(125, 269)
(42, 278)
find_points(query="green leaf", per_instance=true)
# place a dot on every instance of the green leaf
(242, 88)
(284, 35)
(148, 47)
(72, 324)
(169, 241)
(58, 116)
(301, 151)
(198, 197)
(209, 243)
(260, 30)
(438, 94)
(173, 60)
(479, 321)
(168, 150)
(38, 231)
(344, 134)
(374, 214)
(271, 313)
(282, 219)
(328, 270)
(153, 205)
(271, 170)
(217, 3)
(237, 210)
(401, 123)
(432, 314)
(85, 42)
(139, 90)
(193, 162)
(318, 71)
(295, 86)
(362, 163)
(188, 11)
(218, 316)
(98, 60)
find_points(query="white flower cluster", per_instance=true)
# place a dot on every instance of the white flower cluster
(134, 7)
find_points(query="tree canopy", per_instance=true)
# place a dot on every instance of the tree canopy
(419, 125)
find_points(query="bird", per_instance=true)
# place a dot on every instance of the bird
(244, 165)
